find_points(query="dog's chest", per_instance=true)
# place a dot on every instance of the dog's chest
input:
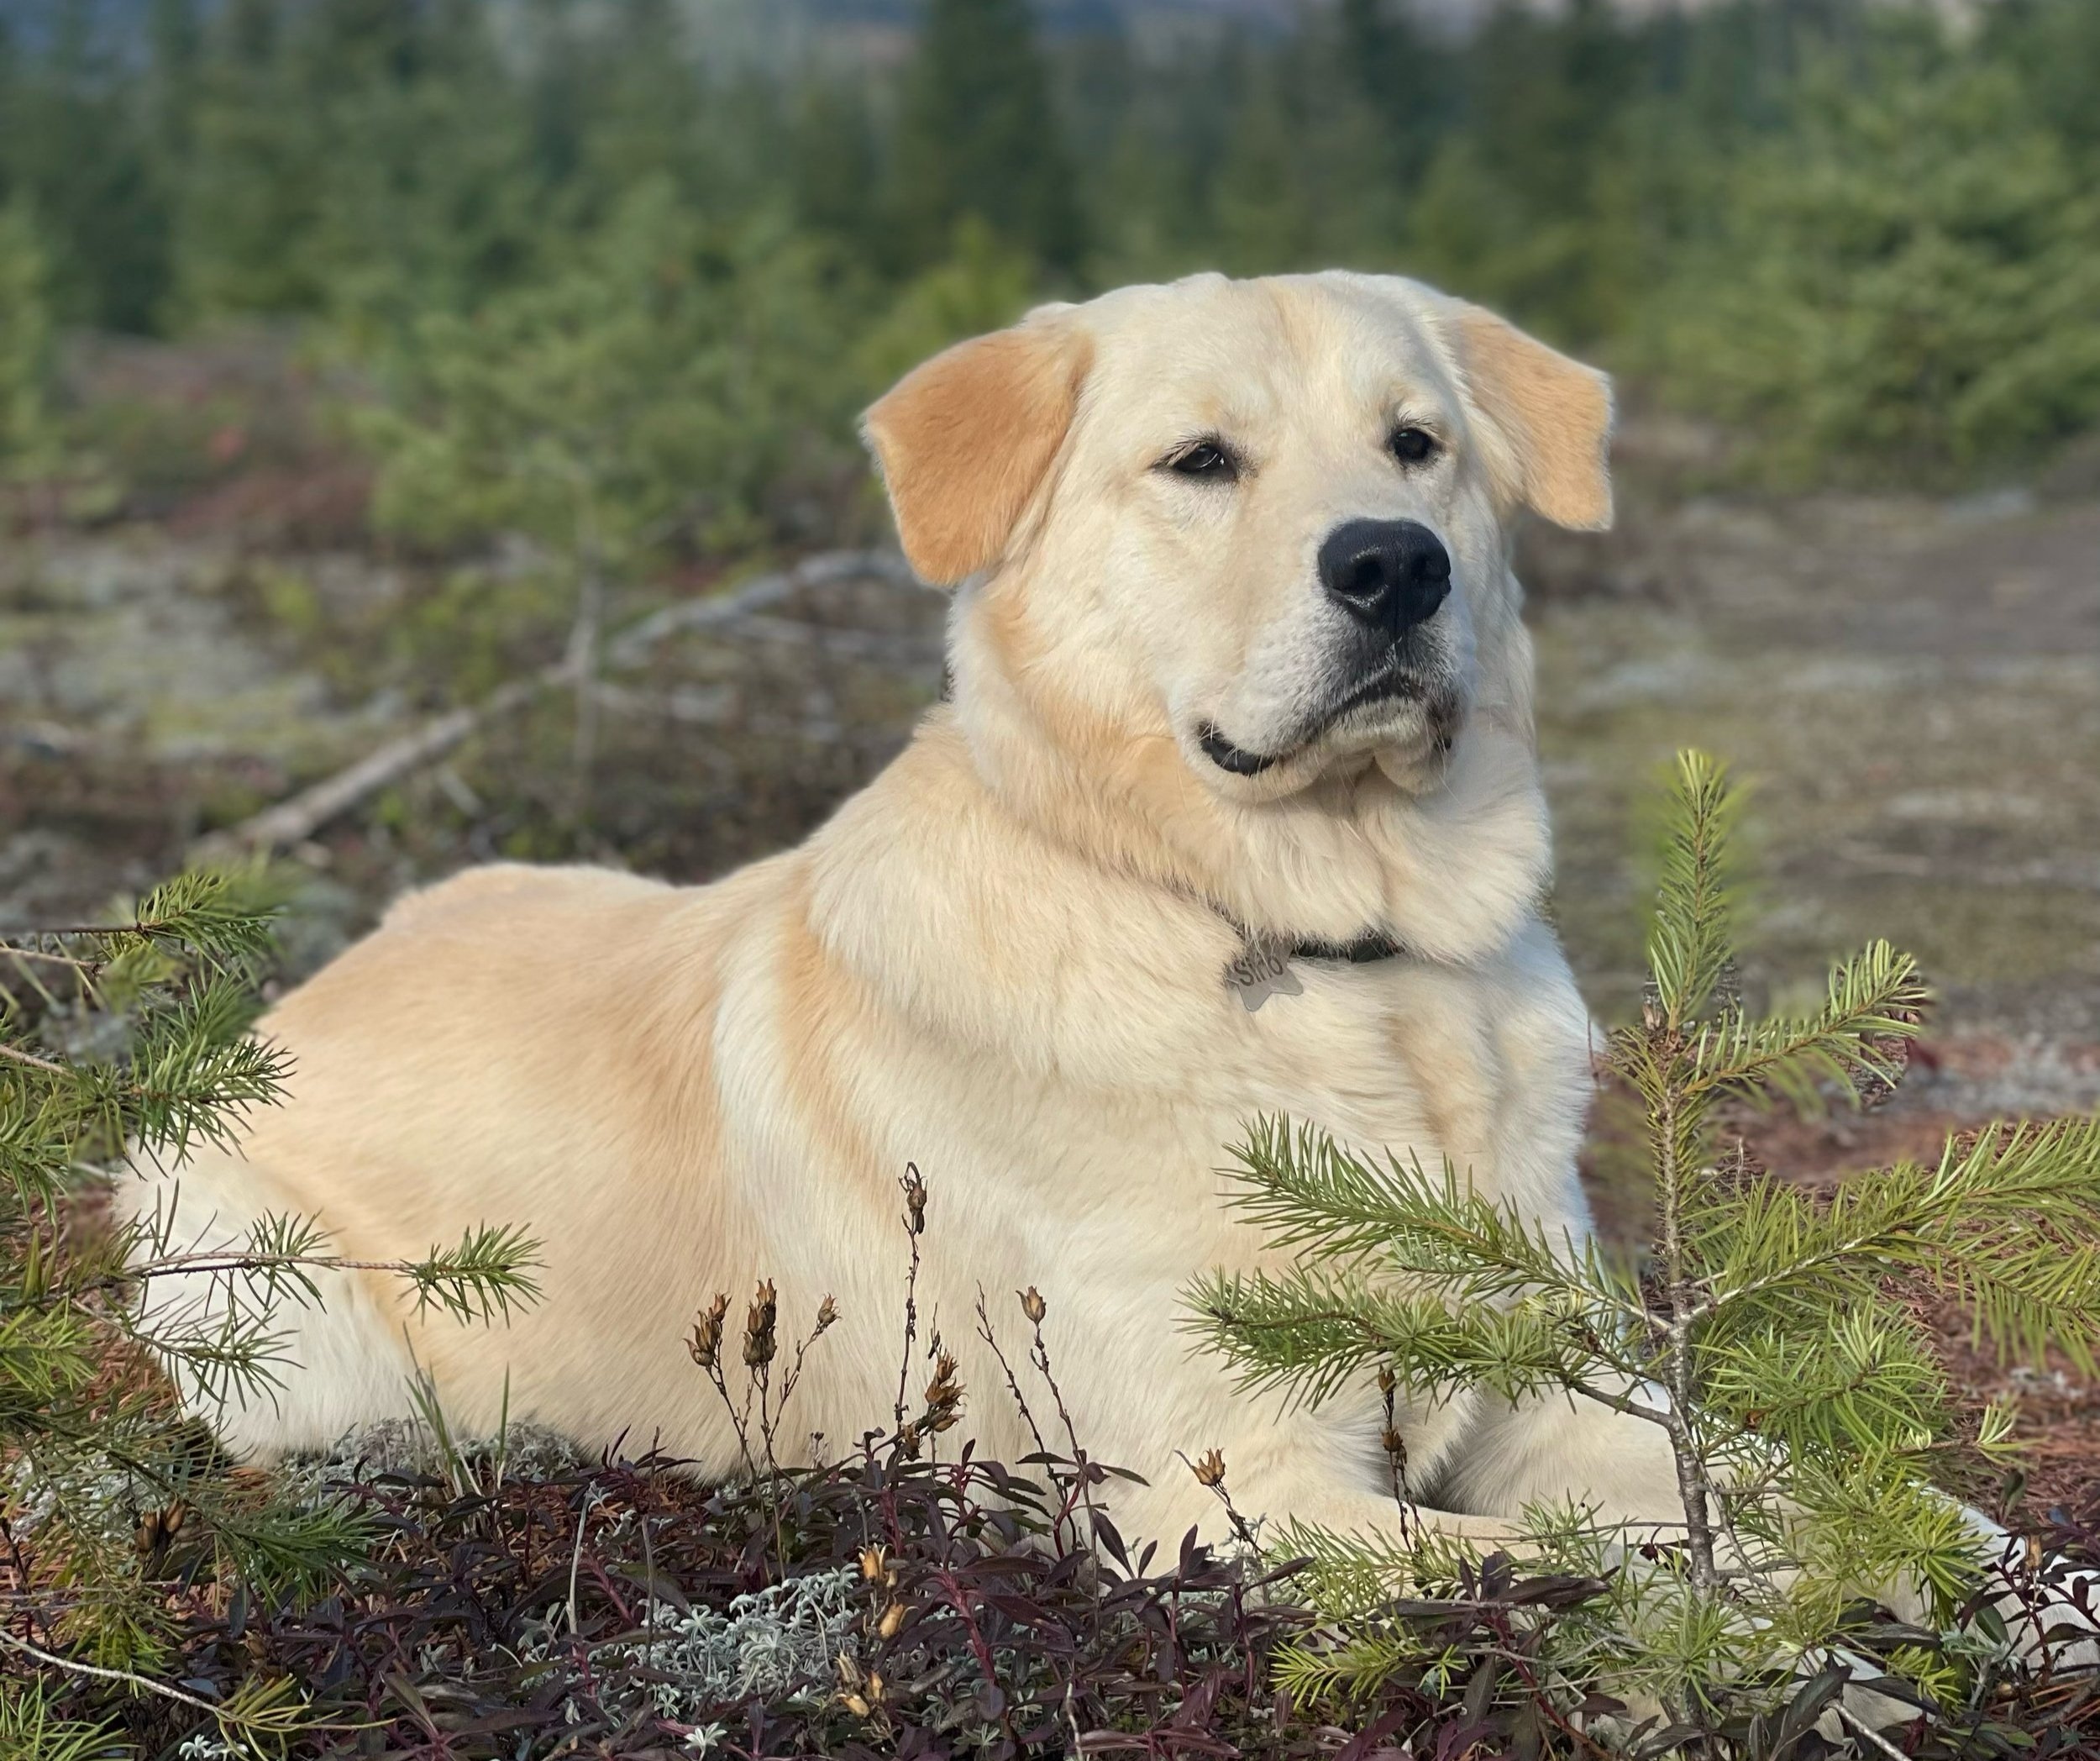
(1484, 1064)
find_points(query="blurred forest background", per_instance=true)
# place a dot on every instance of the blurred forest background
(366, 363)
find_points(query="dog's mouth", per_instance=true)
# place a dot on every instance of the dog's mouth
(1226, 756)
(1390, 685)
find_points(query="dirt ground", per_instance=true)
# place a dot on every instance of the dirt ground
(1912, 690)
(1912, 687)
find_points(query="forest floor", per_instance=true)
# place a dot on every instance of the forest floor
(1912, 687)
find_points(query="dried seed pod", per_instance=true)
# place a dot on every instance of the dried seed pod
(871, 1563)
(855, 1704)
(1033, 1304)
(914, 1198)
(827, 1313)
(943, 1396)
(706, 1343)
(758, 1346)
(892, 1619)
(1209, 1469)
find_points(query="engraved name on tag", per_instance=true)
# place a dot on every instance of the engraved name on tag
(1262, 971)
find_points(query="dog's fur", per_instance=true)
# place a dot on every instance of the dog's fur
(1004, 960)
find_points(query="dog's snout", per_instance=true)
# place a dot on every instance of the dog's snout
(1391, 573)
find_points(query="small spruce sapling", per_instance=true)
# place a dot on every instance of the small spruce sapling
(1770, 1334)
(132, 1041)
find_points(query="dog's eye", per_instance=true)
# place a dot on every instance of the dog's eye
(1208, 460)
(1411, 445)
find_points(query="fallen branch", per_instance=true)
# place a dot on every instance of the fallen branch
(292, 822)
(228, 1716)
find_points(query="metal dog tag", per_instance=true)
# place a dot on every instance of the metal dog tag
(1262, 971)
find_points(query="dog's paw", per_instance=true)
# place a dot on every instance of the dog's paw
(2051, 1611)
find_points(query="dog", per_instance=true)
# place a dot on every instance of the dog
(1233, 811)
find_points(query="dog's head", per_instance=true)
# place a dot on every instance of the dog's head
(1269, 519)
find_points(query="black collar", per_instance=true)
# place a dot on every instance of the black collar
(1372, 946)
(1367, 949)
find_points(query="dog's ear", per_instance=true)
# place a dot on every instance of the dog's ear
(1553, 414)
(964, 439)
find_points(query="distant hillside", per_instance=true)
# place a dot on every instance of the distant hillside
(743, 26)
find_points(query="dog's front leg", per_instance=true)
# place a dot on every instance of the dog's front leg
(1555, 1450)
(1326, 1469)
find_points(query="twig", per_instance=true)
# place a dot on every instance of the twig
(632, 644)
(985, 1331)
(1395, 1448)
(1859, 1727)
(914, 1188)
(1209, 1472)
(1085, 1473)
(57, 959)
(293, 821)
(32, 1060)
(826, 1316)
(146, 1684)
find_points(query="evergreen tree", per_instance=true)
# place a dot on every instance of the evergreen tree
(130, 1044)
(249, 207)
(670, 384)
(1906, 280)
(364, 160)
(1406, 78)
(1529, 204)
(1773, 1338)
(25, 342)
(1160, 132)
(2053, 48)
(977, 135)
(78, 151)
(835, 165)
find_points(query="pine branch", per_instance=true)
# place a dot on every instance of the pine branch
(1312, 1330)
(1689, 946)
(1304, 1192)
(1852, 1385)
(31, 1060)
(1805, 1406)
(1873, 1518)
(490, 1270)
(199, 909)
(192, 1074)
(2008, 1222)
(1857, 1037)
(223, 1338)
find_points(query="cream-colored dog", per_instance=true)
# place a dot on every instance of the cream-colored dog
(1235, 813)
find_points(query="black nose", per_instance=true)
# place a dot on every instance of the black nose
(1393, 574)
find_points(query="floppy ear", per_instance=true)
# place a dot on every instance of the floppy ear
(964, 439)
(1554, 413)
